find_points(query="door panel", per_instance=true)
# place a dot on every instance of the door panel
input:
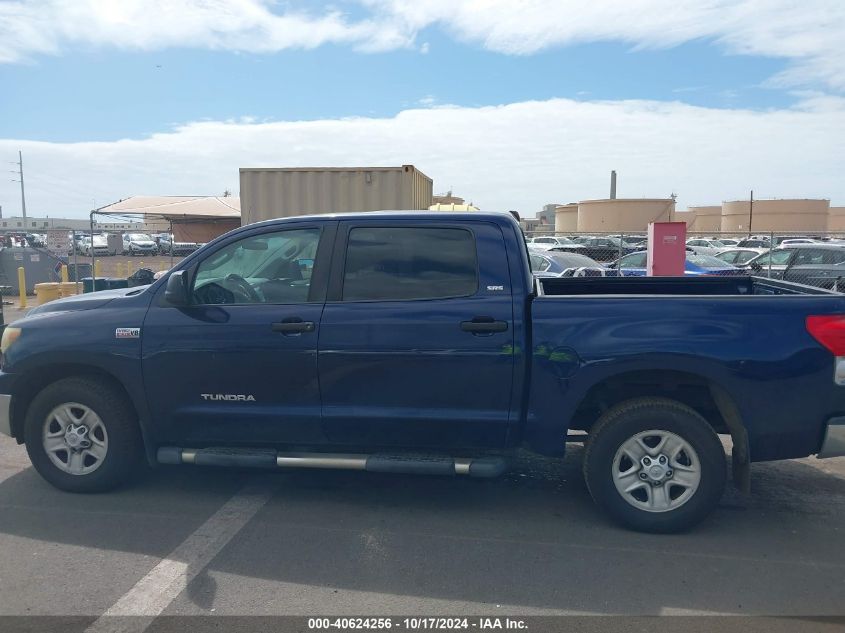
(407, 372)
(243, 370)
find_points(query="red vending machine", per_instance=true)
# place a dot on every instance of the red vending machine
(666, 249)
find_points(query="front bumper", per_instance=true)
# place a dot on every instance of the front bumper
(834, 439)
(6, 414)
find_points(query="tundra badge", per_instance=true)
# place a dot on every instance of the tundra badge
(239, 397)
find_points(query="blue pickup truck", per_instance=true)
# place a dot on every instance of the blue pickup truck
(406, 342)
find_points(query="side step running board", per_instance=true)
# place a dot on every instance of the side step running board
(268, 458)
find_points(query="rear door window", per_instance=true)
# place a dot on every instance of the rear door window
(401, 263)
(809, 256)
(539, 264)
(835, 256)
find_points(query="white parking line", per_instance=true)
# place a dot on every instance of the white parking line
(151, 595)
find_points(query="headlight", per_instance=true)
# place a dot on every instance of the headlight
(10, 335)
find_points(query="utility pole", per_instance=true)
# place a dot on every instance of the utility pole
(23, 195)
(750, 212)
(19, 172)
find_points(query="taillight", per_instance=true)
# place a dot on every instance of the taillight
(829, 330)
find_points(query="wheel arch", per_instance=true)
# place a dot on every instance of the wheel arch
(29, 384)
(700, 392)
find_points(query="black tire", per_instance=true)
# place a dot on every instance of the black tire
(623, 422)
(125, 446)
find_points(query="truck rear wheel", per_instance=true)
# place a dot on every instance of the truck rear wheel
(82, 436)
(654, 465)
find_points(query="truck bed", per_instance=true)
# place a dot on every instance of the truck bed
(721, 286)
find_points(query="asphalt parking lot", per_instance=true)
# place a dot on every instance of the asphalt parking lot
(186, 540)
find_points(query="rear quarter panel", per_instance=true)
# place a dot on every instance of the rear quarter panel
(757, 348)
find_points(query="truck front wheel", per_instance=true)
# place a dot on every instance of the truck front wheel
(82, 436)
(654, 465)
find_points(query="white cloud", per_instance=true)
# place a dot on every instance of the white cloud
(810, 34)
(30, 27)
(518, 156)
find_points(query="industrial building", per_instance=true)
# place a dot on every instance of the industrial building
(41, 224)
(282, 192)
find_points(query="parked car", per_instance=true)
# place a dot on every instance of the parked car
(605, 249)
(779, 240)
(139, 244)
(797, 240)
(634, 265)
(812, 264)
(635, 240)
(557, 264)
(426, 335)
(735, 256)
(702, 246)
(557, 243)
(755, 242)
(99, 245)
(35, 240)
(167, 246)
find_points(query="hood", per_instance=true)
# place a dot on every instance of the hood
(87, 301)
(142, 242)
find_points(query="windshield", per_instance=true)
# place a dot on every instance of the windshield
(139, 237)
(570, 260)
(707, 261)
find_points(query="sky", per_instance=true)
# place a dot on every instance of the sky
(511, 104)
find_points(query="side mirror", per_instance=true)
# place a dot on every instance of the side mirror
(176, 292)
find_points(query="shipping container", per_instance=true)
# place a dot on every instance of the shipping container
(283, 192)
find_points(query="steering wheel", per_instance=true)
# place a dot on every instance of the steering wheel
(244, 286)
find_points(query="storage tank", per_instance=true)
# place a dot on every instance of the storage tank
(623, 214)
(282, 192)
(836, 219)
(687, 216)
(776, 215)
(566, 218)
(707, 219)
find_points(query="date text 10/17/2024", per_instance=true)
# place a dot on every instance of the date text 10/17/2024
(417, 624)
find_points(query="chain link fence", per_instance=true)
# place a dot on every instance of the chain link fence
(810, 258)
